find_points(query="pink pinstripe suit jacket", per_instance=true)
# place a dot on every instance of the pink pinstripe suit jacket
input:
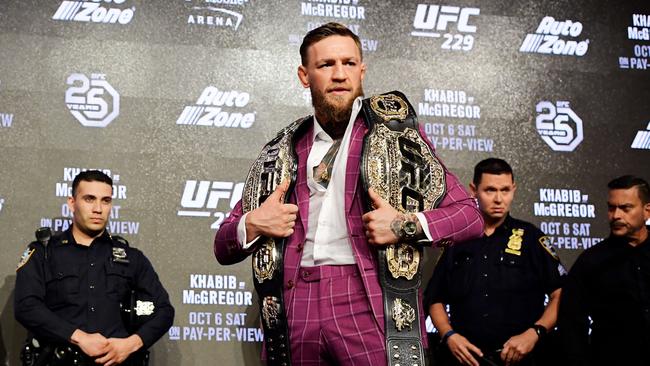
(455, 220)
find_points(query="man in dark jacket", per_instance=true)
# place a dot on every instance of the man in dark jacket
(70, 290)
(610, 285)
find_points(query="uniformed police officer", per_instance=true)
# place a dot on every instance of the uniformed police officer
(495, 285)
(604, 315)
(69, 290)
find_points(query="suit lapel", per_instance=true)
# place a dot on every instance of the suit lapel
(354, 160)
(303, 146)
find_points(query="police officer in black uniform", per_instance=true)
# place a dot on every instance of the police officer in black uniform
(609, 286)
(495, 285)
(73, 291)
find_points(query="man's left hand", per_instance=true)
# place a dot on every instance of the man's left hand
(517, 347)
(119, 349)
(377, 222)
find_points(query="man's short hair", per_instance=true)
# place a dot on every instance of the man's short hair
(324, 31)
(90, 176)
(491, 166)
(629, 181)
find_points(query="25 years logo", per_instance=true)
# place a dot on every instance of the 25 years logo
(92, 100)
(559, 126)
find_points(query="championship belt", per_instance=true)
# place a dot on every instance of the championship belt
(276, 163)
(401, 168)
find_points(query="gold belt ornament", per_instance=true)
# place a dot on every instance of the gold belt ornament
(265, 260)
(400, 167)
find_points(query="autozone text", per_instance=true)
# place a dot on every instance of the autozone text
(93, 12)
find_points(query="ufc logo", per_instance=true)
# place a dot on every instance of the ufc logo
(436, 17)
(412, 174)
(206, 194)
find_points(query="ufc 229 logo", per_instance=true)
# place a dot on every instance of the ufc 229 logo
(92, 101)
(201, 199)
(559, 126)
(434, 21)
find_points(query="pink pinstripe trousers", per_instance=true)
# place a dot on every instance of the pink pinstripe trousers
(331, 322)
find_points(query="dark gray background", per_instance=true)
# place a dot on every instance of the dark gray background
(159, 64)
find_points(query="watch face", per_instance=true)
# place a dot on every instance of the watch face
(410, 228)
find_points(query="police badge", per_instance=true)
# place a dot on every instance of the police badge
(119, 255)
(514, 242)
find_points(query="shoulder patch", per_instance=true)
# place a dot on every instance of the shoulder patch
(25, 257)
(546, 244)
(119, 239)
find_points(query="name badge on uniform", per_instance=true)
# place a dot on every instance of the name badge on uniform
(119, 255)
(514, 242)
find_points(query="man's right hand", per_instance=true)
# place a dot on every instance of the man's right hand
(273, 218)
(92, 344)
(462, 349)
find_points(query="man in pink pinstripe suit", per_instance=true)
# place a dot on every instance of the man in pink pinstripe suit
(331, 287)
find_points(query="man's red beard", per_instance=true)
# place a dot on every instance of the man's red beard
(333, 112)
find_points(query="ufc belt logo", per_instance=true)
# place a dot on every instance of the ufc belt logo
(269, 172)
(413, 175)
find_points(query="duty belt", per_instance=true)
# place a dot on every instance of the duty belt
(36, 354)
(276, 163)
(401, 168)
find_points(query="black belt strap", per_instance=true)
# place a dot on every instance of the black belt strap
(399, 165)
(276, 163)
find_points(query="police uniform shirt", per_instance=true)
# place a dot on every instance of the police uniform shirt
(609, 282)
(81, 287)
(495, 285)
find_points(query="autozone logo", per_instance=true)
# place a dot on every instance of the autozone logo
(209, 110)
(642, 139)
(434, 21)
(201, 199)
(547, 38)
(559, 126)
(92, 11)
(92, 101)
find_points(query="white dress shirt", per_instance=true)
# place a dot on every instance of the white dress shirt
(327, 240)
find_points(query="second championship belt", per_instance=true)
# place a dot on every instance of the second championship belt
(402, 169)
(276, 163)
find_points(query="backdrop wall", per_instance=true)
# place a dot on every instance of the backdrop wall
(175, 98)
